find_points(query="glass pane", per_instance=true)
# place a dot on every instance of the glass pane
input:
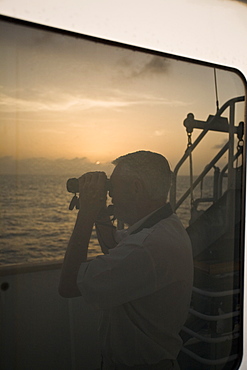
(72, 104)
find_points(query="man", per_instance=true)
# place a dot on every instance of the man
(143, 283)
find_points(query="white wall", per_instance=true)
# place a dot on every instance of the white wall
(212, 30)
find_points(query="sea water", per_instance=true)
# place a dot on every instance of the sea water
(36, 223)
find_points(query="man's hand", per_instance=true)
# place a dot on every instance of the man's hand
(92, 189)
(92, 193)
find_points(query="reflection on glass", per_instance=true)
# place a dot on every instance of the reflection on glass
(71, 105)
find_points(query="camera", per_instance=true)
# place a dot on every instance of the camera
(73, 185)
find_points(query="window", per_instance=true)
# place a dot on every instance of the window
(72, 104)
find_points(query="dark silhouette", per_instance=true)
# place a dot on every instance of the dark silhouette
(143, 282)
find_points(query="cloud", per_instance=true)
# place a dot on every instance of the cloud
(57, 101)
(143, 99)
(157, 65)
(44, 166)
(134, 68)
(241, 1)
(159, 132)
(61, 102)
(220, 146)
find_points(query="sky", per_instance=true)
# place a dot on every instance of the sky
(69, 104)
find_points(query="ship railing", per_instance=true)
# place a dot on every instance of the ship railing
(214, 123)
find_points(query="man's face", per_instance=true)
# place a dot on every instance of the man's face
(123, 199)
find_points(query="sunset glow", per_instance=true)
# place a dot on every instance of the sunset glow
(65, 98)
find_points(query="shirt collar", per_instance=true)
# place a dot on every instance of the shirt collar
(151, 219)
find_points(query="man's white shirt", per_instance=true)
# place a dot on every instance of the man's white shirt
(143, 288)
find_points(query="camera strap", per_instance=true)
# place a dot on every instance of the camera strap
(74, 203)
(157, 216)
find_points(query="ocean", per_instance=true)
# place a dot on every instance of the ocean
(35, 222)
